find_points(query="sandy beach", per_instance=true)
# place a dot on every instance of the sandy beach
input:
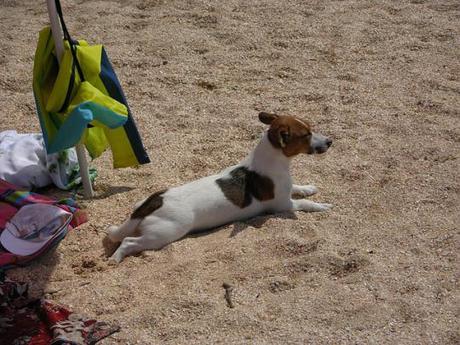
(381, 78)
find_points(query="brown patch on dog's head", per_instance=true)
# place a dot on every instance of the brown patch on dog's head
(293, 136)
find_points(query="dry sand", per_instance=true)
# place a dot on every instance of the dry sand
(380, 77)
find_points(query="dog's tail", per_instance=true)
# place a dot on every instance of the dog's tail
(118, 233)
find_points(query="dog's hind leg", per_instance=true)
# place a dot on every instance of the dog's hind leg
(155, 234)
(118, 233)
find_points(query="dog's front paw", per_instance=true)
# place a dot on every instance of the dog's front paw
(304, 191)
(309, 190)
(321, 207)
(309, 206)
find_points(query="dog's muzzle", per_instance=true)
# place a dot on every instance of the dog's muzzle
(319, 143)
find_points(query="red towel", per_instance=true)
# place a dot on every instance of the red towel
(43, 322)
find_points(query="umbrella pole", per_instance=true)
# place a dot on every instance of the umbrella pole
(84, 171)
(80, 148)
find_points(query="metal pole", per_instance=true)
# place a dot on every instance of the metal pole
(80, 148)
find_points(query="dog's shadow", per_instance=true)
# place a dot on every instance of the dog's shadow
(242, 225)
(238, 227)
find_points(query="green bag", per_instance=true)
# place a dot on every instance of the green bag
(81, 100)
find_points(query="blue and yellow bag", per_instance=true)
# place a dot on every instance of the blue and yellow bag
(81, 100)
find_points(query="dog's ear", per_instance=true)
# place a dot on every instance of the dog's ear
(279, 136)
(283, 137)
(267, 118)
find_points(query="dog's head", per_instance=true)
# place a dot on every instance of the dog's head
(293, 136)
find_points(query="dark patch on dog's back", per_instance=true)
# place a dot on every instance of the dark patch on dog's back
(244, 184)
(153, 203)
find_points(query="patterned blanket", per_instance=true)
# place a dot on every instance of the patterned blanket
(42, 322)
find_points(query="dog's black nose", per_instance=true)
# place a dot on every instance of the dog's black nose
(328, 142)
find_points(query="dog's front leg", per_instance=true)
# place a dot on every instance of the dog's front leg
(309, 206)
(304, 191)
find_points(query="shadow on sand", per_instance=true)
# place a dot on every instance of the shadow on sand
(238, 227)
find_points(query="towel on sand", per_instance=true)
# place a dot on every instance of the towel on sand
(25, 163)
(25, 321)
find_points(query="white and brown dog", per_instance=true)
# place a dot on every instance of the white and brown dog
(261, 183)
